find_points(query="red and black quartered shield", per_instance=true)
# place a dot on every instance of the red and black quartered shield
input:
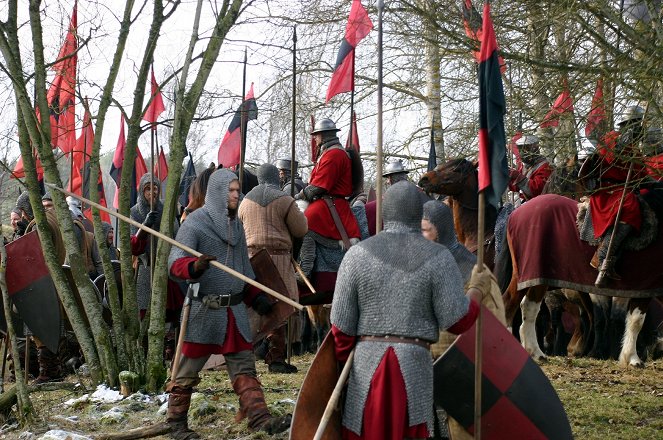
(32, 291)
(518, 401)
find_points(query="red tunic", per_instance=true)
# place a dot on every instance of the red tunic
(654, 166)
(604, 204)
(385, 411)
(332, 172)
(537, 180)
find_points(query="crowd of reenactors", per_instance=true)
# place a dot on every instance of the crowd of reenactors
(391, 293)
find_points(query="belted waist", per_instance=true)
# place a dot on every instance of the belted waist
(254, 249)
(214, 301)
(398, 339)
(332, 197)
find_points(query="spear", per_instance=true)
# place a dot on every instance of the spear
(242, 131)
(378, 158)
(184, 247)
(294, 111)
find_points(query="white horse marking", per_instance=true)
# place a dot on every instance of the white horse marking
(629, 354)
(530, 310)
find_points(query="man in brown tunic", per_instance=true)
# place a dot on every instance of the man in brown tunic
(271, 219)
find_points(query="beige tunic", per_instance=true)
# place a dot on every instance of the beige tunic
(272, 227)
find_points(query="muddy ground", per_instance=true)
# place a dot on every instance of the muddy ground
(603, 401)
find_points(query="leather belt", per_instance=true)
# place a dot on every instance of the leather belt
(255, 250)
(217, 301)
(397, 339)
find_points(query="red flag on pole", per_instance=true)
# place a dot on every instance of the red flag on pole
(81, 157)
(19, 170)
(156, 106)
(359, 25)
(116, 167)
(493, 168)
(161, 167)
(473, 29)
(516, 152)
(228, 155)
(354, 144)
(563, 104)
(60, 96)
(596, 118)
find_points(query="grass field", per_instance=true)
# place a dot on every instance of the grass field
(603, 402)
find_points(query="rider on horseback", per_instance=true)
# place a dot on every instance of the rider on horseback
(529, 181)
(617, 152)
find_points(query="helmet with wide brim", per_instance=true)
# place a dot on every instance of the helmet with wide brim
(324, 125)
(394, 167)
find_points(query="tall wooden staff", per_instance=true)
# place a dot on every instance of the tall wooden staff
(378, 155)
(292, 160)
(243, 122)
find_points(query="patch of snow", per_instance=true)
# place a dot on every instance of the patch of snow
(161, 398)
(163, 408)
(106, 395)
(140, 397)
(57, 434)
(72, 402)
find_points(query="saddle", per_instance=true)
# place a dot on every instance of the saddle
(634, 242)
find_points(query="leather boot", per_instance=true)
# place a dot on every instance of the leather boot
(179, 401)
(49, 366)
(607, 266)
(252, 405)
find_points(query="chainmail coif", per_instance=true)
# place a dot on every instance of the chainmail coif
(23, 202)
(402, 207)
(142, 207)
(441, 217)
(268, 188)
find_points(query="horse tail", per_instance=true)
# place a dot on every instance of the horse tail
(504, 267)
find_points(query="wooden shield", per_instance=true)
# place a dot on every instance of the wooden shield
(314, 394)
(518, 401)
(268, 274)
(32, 290)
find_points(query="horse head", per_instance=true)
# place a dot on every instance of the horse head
(450, 178)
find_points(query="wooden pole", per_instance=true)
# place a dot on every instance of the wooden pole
(378, 158)
(294, 112)
(242, 128)
(478, 349)
(185, 248)
(301, 273)
(180, 339)
(334, 398)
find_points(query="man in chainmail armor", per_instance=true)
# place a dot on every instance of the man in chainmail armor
(218, 321)
(394, 293)
(284, 167)
(271, 219)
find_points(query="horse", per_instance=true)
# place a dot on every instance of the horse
(561, 261)
(458, 179)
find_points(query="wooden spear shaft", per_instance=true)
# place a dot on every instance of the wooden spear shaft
(478, 352)
(334, 398)
(185, 248)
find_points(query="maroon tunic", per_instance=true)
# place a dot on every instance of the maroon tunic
(333, 172)
(604, 204)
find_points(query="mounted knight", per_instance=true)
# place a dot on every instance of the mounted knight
(528, 181)
(333, 227)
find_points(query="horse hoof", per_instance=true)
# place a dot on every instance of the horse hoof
(638, 364)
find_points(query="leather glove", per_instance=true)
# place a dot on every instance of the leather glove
(515, 176)
(151, 218)
(481, 280)
(262, 305)
(201, 265)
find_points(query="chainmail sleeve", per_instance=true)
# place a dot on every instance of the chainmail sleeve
(307, 254)
(345, 306)
(449, 301)
(187, 236)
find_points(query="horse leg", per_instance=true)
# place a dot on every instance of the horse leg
(512, 298)
(530, 306)
(617, 328)
(635, 318)
(601, 310)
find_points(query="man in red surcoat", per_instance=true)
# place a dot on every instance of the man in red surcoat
(331, 179)
(617, 152)
(529, 181)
